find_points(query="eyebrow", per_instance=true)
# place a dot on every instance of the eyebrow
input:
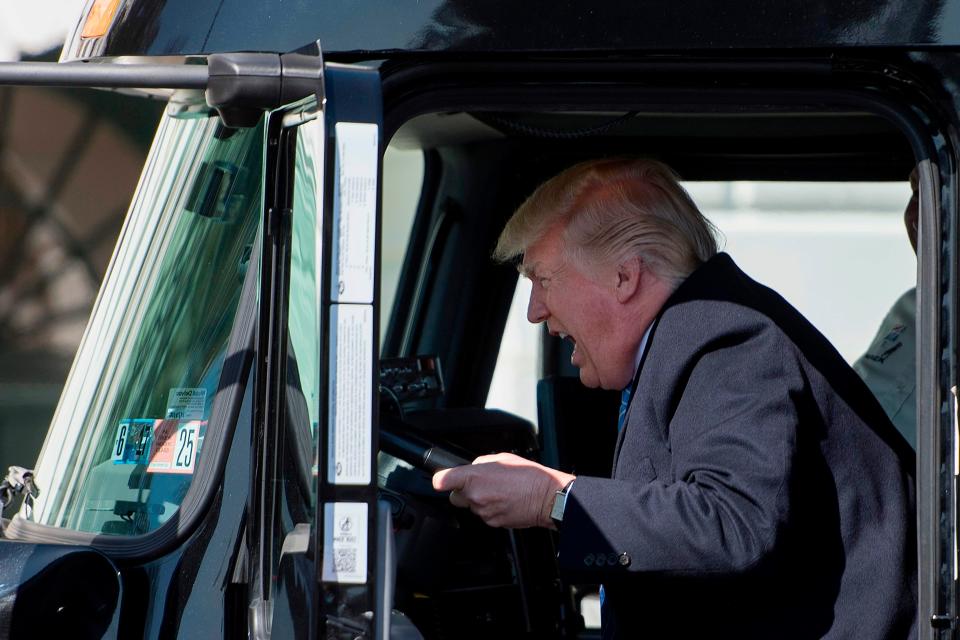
(527, 271)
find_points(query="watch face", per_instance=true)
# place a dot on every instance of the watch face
(557, 512)
(559, 504)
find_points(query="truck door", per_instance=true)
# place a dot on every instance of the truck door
(316, 563)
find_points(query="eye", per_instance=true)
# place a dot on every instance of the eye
(543, 282)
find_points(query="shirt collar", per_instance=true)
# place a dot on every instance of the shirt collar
(640, 351)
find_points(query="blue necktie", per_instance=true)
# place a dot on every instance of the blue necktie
(624, 403)
(621, 418)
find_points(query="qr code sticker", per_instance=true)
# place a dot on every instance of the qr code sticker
(344, 560)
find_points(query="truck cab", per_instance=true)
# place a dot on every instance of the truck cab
(301, 320)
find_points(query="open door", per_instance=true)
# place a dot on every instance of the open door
(317, 566)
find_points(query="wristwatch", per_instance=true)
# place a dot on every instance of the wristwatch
(560, 504)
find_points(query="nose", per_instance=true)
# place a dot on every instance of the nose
(536, 309)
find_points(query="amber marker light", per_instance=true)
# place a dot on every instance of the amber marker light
(99, 19)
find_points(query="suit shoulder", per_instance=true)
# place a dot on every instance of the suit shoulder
(719, 299)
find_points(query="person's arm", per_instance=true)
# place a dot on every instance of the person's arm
(733, 440)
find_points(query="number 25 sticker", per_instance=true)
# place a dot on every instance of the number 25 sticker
(176, 446)
(186, 446)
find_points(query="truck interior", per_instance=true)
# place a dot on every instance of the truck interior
(456, 577)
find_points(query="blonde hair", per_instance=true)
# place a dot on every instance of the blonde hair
(614, 209)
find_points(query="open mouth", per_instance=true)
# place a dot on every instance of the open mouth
(573, 341)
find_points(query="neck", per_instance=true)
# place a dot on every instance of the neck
(638, 314)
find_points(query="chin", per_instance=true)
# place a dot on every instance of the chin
(589, 380)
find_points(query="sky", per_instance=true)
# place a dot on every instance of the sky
(34, 26)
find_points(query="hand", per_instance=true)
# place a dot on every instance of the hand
(504, 490)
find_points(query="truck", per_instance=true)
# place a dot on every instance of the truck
(283, 350)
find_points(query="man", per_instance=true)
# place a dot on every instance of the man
(758, 490)
(889, 365)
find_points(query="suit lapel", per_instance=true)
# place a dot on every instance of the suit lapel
(633, 394)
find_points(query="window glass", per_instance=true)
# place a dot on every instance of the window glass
(403, 171)
(816, 243)
(298, 477)
(69, 168)
(514, 384)
(290, 484)
(303, 323)
(130, 426)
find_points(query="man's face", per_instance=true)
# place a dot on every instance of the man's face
(581, 308)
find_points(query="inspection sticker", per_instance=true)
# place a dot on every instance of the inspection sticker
(175, 446)
(349, 441)
(132, 442)
(355, 211)
(345, 542)
(186, 403)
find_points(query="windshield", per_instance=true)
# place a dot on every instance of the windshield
(130, 426)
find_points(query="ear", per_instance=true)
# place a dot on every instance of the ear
(628, 279)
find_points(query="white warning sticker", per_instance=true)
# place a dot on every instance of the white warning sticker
(349, 455)
(186, 403)
(355, 211)
(345, 542)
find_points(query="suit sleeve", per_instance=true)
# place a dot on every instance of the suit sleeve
(732, 438)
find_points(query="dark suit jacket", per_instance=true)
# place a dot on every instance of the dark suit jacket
(758, 489)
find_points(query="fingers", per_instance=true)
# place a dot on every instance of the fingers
(458, 500)
(447, 479)
(455, 481)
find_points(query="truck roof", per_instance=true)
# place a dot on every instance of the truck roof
(375, 29)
